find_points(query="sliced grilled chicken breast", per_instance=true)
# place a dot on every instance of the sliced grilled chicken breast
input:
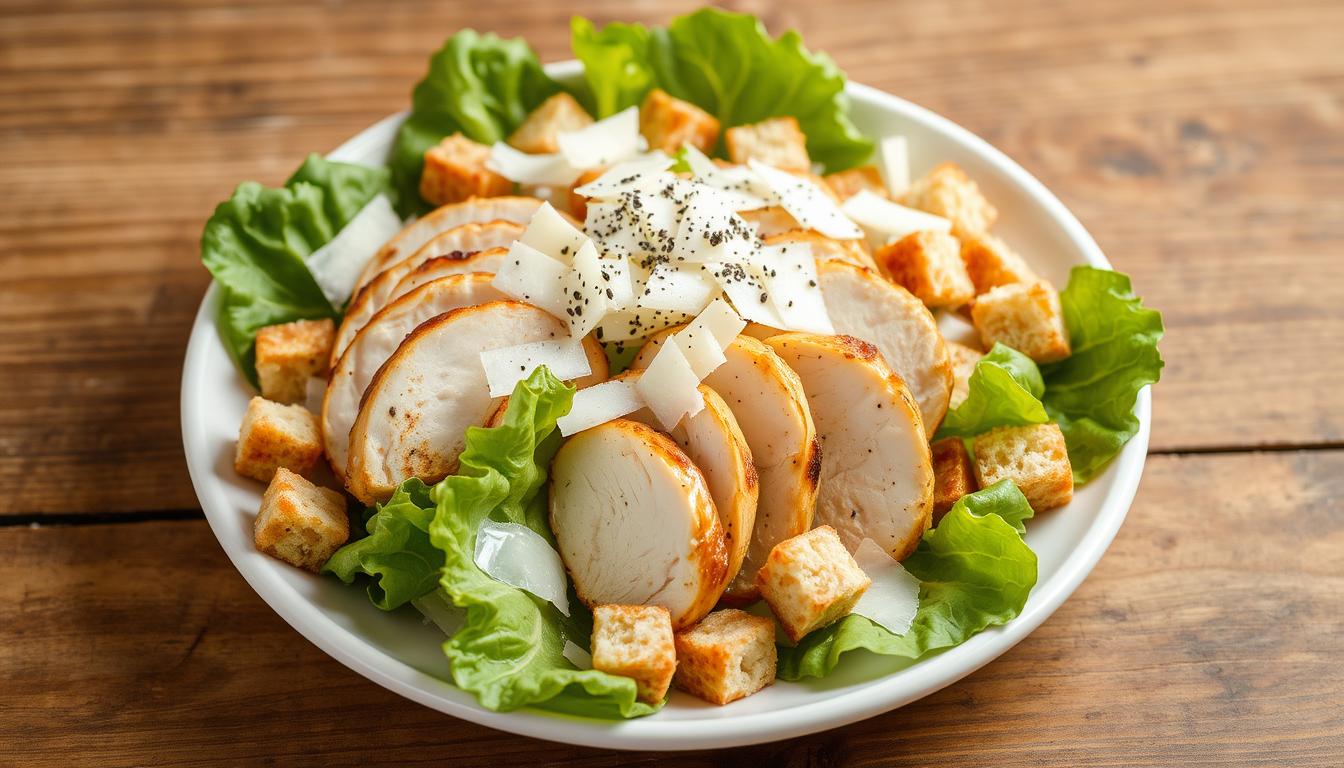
(463, 240)
(414, 415)
(866, 305)
(635, 524)
(767, 400)
(442, 219)
(453, 264)
(876, 471)
(826, 248)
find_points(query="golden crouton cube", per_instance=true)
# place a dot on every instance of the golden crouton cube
(274, 436)
(300, 523)
(777, 141)
(948, 192)
(847, 184)
(728, 655)
(636, 641)
(963, 365)
(1024, 316)
(953, 476)
(810, 581)
(991, 263)
(455, 170)
(289, 354)
(929, 265)
(668, 123)
(559, 114)
(1034, 457)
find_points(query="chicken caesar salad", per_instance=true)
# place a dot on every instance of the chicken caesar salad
(665, 377)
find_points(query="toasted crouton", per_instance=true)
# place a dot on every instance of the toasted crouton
(810, 581)
(668, 123)
(991, 263)
(777, 141)
(559, 114)
(929, 265)
(289, 354)
(953, 476)
(300, 523)
(455, 170)
(274, 436)
(1033, 457)
(963, 365)
(1024, 316)
(728, 655)
(847, 184)
(578, 204)
(636, 641)
(948, 192)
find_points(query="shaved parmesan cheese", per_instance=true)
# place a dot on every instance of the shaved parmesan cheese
(683, 290)
(606, 141)
(637, 323)
(314, 392)
(746, 288)
(507, 366)
(438, 608)
(599, 404)
(530, 275)
(551, 234)
(336, 265)
(585, 292)
(701, 350)
(719, 321)
(892, 600)
(885, 221)
(551, 170)
(619, 282)
(518, 556)
(806, 203)
(628, 175)
(670, 387)
(738, 186)
(710, 230)
(698, 161)
(615, 229)
(580, 658)
(893, 155)
(790, 276)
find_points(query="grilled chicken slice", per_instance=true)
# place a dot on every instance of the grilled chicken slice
(635, 524)
(876, 472)
(768, 402)
(866, 305)
(415, 412)
(464, 239)
(455, 263)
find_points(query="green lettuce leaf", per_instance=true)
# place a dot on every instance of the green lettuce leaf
(728, 65)
(1092, 392)
(510, 651)
(976, 572)
(1005, 390)
(397, 552)
(480, 85)
(256, 242)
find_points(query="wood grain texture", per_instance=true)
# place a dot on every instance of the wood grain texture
(1192, 644)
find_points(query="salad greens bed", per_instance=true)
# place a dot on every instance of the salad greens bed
(975, 568)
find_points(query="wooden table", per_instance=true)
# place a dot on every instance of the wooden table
(1201, 142)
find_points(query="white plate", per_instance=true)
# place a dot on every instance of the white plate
(398, 652)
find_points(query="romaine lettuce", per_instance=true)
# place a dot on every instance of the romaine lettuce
(256, 242)
(481, 85)
(1091, 393)
(397, 552)
(1004, 390)
(975, 569)
(727, 64)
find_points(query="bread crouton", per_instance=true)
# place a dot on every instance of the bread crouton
(991, 263)
(778, 142)
(1034, 457)
(810, 581)
(929, 265)
(847, 184)
(728, 655)
(1024, 316)
(963, 365)
(559, 114)
(300, 523)
(948, 192)
(456, 170)
(953, 475)
(668, 123)
(289, 354)
(578, 204)
(636, 641)
(274, 436)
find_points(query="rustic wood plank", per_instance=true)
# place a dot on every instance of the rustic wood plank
(1209, 635)
(1203, 149)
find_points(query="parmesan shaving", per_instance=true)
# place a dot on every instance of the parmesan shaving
(670, 387)
(530, 275)
(606, 141)
(551, 170)
(518, 556)
(507, 366)
(885, 221)
(599, 404)
(551, 234)
(336, 266)
(892, 600)
(686, 290)
(806, 203)
(893, 155)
